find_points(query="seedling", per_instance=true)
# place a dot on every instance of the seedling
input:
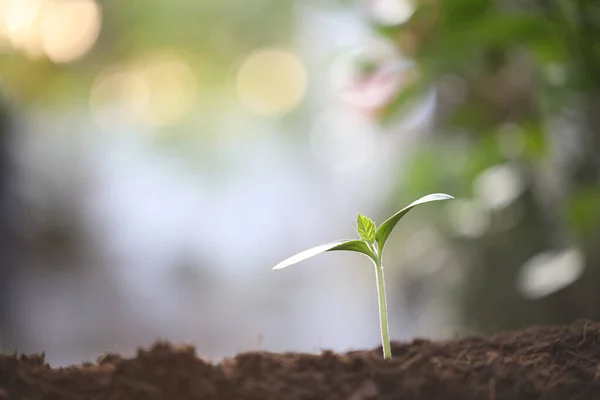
(371, 243)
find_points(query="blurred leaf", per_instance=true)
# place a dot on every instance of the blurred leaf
(459, 11)
(404, 99)
(423, 172)
(483, 154)
(536, 145)
(455, 48)
(511, 29)
(583, 213)
(387, 30)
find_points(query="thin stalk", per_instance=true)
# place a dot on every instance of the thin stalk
(383, 316)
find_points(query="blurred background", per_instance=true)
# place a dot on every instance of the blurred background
(157, 158)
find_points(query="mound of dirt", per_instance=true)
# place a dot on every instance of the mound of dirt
(555, 362)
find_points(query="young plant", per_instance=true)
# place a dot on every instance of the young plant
(371, 243)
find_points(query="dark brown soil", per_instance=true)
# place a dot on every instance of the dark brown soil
(558, 362)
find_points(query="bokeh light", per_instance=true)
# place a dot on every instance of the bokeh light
(20, 24)
(118, 95)
(69, 28)
(172, 87)
(469, 218)
(499, 186)
(550, 271)
(62, 30)
(390, 12)
(271, 82)
(158, 90)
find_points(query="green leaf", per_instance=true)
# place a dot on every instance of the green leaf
(403, 100)
(386, 228)
(357, 246)
(365, 228)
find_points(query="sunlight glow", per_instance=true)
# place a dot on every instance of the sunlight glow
(20, 24)
(62, 30)
(69, 28)
(173, 88)
(271, 82)
(390, 12)
(158, 91)
(118, 96)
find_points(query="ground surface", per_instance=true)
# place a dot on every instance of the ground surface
(561, 362)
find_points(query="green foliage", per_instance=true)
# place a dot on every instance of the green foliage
(357, 246)
(583, 213)
(365, 228)
(369, 234)
(403, 100)
(492, 65)
(513, 80)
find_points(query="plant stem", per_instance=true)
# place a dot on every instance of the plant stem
(383, 317)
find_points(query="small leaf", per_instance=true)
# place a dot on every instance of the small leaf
(365, 228)
(357, 246)
(386, 228)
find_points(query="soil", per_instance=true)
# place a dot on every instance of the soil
(554, 362)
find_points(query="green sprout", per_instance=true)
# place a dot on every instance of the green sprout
(372, 240)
